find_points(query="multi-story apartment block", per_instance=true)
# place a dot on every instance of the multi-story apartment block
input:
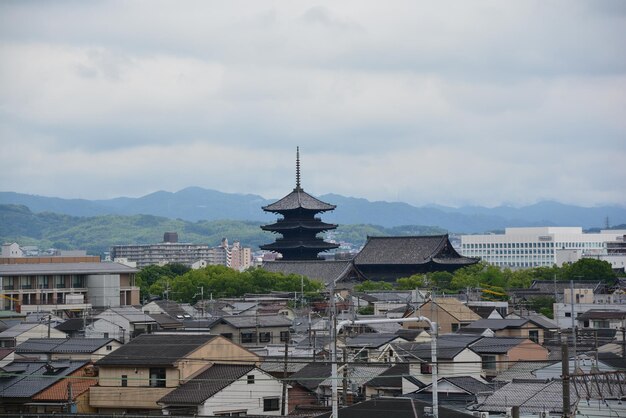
(65, 288)
(536, 247)
(171, 251)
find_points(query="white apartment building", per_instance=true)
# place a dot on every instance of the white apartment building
(537, 246)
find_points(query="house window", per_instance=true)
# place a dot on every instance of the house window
(157, 377)
(568, 314)
(109, 347)
(124, 380)
(265, 337)
(455, 327)
(251, 379)
(106, 335)
(284, 336)
(489, 362)
(426, 368)
(271, 404)
(534, 336)
(248, 337)
(228, 335)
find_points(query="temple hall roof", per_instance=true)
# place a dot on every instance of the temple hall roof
(298, 199)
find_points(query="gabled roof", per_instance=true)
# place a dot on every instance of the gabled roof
(311, 375)
(531, 396)
(446, 350)
(73, 324)
(602, 314)
(171, 308)
(298, 199)
(166, 321)
(359, 374)
(372, 340)
(468, 384)
(62, 345)
(409, 250)
(454, 307)
(211, 381)
(264, 321)
(399, 407)
(496, 324)
(390, 378)
(25, 379)
(325, 271)
(497, 345)
(80, 381)
(155, 350)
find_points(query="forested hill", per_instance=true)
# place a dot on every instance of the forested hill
(196, 204)
(97, 234)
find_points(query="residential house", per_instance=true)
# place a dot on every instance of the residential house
(17, 334)
(355, 377)
(89, 349)
(449, 313)
(167, 307)
(137, 375)
(401, 407)
(454, 358)
(500, 353)
(458, 391)
(388, 383)
(23, 381)
(71, 391)
(253, 331)
(519, 328)
(218, 390)
(305, 382)
(530, 396)
(372, 347)
(602, 318)
(123, 324)
(74, 327)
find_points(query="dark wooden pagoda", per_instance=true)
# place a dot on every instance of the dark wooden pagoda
(299, 226)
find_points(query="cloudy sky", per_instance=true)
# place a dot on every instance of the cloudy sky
(455, 103)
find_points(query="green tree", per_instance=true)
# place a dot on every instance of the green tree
(441, 279)
(589, 269)
(369, 286)
(543, 305)
(410, 283)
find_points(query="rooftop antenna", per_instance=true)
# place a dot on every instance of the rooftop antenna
(297, 167)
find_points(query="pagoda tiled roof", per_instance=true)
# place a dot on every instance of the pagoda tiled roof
(280, 245)
(298, 199)
(292, 224)
(410, 250)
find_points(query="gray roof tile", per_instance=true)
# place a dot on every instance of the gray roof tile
(298, 198)
(155, 350)
(206, 384)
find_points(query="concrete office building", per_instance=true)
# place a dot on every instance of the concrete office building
(537, 246)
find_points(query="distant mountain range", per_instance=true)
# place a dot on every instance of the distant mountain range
(195, 204)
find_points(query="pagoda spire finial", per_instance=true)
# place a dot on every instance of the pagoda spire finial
(297, 167)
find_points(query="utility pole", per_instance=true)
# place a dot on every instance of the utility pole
(49, 321)
(565, 377)
(284, 397)
(574, 336)
(345, 377)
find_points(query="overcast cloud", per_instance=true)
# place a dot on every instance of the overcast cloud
(453, 103)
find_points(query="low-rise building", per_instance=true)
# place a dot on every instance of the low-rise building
(138, 375)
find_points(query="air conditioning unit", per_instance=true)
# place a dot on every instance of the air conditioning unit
(479, 414)
(544, 414)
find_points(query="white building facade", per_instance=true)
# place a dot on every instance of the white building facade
(537, 246)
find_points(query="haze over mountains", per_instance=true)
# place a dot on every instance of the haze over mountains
(194, 204)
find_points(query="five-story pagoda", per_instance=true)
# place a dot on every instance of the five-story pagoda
(299, 226)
